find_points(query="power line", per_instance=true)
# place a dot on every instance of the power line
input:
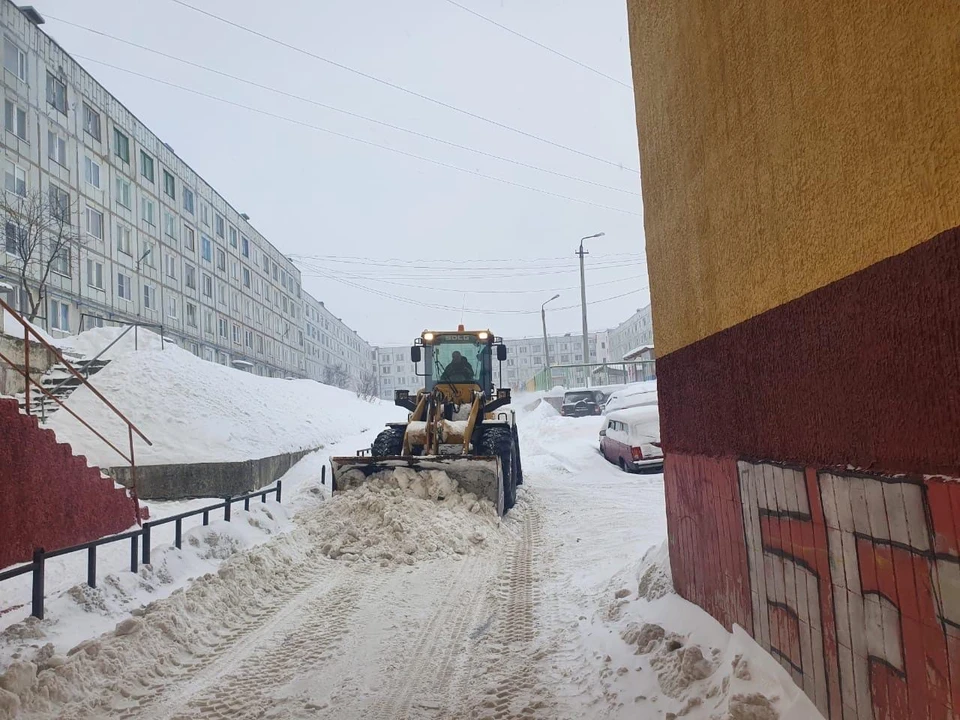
(567, 266)
(401, 88)
(540, 44)
(363, 259)
(333, 108)
(493, 275)
(398, 151)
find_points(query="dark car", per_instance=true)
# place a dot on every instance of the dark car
(581, 403)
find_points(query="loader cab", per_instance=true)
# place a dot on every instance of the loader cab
(461, 360)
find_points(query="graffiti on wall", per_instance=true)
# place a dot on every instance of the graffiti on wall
(855, 587)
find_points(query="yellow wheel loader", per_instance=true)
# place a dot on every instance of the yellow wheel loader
(458, 422)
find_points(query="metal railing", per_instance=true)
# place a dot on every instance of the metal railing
(139, 549)
(593, 374)
(25, 372)
(134, 324)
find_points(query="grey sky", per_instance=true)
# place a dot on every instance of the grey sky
(311, 193)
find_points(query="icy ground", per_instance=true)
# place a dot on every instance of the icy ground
(379, 604)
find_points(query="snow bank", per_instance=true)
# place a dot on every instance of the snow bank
(12, 327)
(394, 518)
(198, 411)
(91, 342)
(670, 656)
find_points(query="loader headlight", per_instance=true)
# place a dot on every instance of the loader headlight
(483, 335)
(428, 337)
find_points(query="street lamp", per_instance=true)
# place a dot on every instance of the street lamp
(583, 301)
(546, 348)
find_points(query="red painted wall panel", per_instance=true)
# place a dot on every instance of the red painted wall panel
(48, 496)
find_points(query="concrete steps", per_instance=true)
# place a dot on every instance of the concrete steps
(60, 383)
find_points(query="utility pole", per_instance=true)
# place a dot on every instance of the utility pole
(546, 347)
(583, 303)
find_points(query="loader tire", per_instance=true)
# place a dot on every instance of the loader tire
(388, 443)
(516, 455)
(498, 441)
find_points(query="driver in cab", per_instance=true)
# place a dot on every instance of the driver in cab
(459, 369)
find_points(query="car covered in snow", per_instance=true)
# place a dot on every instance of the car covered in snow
(632, 395)
(581, 402)
(630, 438)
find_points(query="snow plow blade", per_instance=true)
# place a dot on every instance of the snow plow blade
(480, 475)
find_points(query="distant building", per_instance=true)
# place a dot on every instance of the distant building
(526, 358)
(632, 333)
(396, 372)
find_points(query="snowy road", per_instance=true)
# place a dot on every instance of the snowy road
(511, 623)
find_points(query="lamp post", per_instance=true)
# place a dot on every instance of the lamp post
(583, 301)
(546, 347)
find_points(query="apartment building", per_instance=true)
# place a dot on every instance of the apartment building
(525, 356)
(330, 345)
(634, 332)
(396, 372)
(155, 243)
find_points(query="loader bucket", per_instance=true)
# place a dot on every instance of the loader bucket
(480, 475)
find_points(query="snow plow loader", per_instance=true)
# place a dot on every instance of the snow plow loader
(458, 423)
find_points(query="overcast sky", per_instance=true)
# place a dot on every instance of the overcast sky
(312, 193)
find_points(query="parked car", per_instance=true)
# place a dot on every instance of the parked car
(582, 402)
(630, 438)
(632, 395)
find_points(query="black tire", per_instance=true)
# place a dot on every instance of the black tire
(498, 441)
(516, 455)
(388, 443)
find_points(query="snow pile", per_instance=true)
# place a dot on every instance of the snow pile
(12, 327)
(92, 342)
(403, 517)
(673, 658)
(197, 411)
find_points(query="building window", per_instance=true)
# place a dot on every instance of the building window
(246, 277)
(188, 242)
(91, 171)
(191, 315)
(221, 260)
(235, 269)
(222, 327)
(146, 166)
(15, 239)
(260, 344)
(56, 92)
(94, 274)
(188, 200)
(122, 143)
(61, 260)
(148, 257)
(59, 316)
(266, 264)
(56, 148)
(170, 225)
(205, 214)
(190, 276)
(15, 60)
(169, 185)
(172, 266)
(245, 247)
(206, 248)
(147, 208)
(15, 181)
(16, 119)
(91, 122)
(248, 338)
(232, 232)
(123, 193)
(222, 293)
(172, 307)
(235, 298)
(95, 223)
(207, 286)
(208, 321)
(123, 240)
(149, 297)
(236, 334)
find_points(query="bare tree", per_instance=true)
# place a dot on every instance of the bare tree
(336, 375)
(41, 239)
(367, 386)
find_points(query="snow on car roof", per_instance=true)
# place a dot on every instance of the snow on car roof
(636, 414)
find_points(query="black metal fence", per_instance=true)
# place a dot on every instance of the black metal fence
(139, 550)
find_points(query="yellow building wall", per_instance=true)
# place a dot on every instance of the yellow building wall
(786, 144)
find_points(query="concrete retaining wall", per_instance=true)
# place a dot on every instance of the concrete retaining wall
(41, 360)
(217, 479)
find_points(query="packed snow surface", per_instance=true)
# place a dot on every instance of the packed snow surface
(197, 411)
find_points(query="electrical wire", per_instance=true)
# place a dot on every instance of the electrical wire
(540, 44)
(400, 88)
(349, 113)
(356, 139)
(450, 260)
(569, 266)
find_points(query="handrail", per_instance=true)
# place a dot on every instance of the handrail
(96, 357)
(25, 372)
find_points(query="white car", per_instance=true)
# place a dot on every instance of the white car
(633, 395)
(631, 438)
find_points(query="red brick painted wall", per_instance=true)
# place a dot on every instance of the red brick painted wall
(853, 579)
(48, 496)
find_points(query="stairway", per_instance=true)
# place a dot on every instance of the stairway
(60, 383)
(51, 497)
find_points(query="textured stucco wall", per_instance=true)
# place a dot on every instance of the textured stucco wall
(49, 497)
(787, 144)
